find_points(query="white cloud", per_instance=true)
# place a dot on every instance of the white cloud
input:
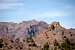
(10, 5)
(10, 1)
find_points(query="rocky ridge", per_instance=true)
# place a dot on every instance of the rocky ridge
(34, 35)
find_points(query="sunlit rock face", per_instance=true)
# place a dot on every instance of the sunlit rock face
(54, 32)
(55, 26)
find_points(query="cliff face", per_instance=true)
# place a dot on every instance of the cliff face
(23, 29)
(34, 35)
(3, 29)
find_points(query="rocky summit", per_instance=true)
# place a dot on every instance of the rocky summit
(36, 35)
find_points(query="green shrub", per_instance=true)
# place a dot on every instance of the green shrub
(29, 40)
(56, 43)
(34, 44)
(29, 49)
(1, 45)
(55, 48)
(1, 41)
(46, 46)
(66, 45)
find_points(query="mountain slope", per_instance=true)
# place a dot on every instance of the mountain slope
(55, 32)
(34, 35)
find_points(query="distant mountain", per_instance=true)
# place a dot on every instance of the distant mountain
(22, 29)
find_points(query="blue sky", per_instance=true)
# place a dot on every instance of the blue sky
(62, 11)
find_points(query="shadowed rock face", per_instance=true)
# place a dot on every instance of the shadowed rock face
(3, 29)
(33, 35)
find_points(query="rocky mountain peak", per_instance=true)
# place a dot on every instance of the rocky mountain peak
(54, 25)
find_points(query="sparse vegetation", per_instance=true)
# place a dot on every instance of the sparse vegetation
(1, 45)
(64, 36)
(29, 48)
(55, 48)
(66, 45)
(31, 41)
(46, 46)
(56, 43)
(1, 41)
